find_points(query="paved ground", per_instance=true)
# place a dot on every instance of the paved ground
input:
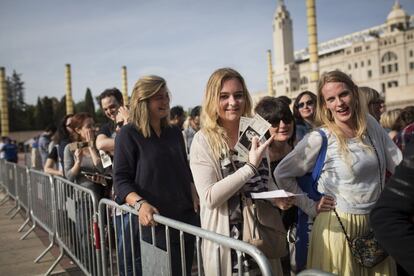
(17, 257)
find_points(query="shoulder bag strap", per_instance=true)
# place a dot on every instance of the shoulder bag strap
(317, 169)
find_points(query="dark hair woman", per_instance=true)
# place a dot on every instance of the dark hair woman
(304, 109)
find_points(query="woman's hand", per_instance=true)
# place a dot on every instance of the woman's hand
(96, 178)
(123, 112)
(146, 214)
(90, 135)
(283, 203)
(78, 156)
(325, 204)
(256, 152)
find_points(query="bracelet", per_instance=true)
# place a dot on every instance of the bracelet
(253, 167)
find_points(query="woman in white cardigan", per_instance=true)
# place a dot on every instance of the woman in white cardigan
(218, 176)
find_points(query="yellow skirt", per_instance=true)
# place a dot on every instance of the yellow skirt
(329, 250)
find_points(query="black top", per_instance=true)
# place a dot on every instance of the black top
(107, 129)
(393, 215)
(156, 168)
(53, 154)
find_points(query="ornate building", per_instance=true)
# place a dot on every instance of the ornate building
(381, 57)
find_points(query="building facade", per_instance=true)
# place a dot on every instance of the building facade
(381, 57)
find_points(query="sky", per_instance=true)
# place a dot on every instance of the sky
(183, 41)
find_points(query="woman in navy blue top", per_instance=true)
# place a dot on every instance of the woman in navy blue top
(151, 171)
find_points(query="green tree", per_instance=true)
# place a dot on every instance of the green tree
(47, 112)
(89, 106)
(15, 101)
(39, 114)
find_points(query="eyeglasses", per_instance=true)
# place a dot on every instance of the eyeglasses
(287, 120)
(308, 103)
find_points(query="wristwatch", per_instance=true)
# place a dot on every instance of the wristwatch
(138, 204)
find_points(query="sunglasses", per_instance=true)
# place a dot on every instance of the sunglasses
(287, 120)
(308, 103)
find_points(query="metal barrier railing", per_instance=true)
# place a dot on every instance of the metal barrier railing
(42, 199)
(3, 185)
(77, 231)
(156, 261)
(11, 183)
(23, 192)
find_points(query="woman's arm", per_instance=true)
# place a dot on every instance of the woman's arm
(212, 190)
(50, 167)
(296, 164)
(125, 162)
(72, 163)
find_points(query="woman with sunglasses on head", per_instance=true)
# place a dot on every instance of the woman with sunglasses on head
(220, 178)
(151, 171)
(358, 153)
(304, 109)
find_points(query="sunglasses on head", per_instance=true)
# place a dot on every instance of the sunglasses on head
(308, 103)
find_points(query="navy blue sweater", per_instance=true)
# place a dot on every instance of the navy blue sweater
(156, 168)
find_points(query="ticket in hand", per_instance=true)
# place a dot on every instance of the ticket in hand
(256, 126)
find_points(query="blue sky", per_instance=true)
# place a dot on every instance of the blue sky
(182, 40)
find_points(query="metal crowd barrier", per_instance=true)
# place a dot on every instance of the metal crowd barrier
(77, 231)
(3, 185)
(119, 255)
(11, 183)
(23, 192)
(42, 212)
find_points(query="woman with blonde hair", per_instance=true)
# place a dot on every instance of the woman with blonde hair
(352, 177)
(219, 176)
(373, 101)
(151, 170)
(388, 122)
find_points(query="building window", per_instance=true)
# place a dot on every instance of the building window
(357, 49)
(411, 53)
(369, 73)
(389, 56)
(362, 63)
(304, 80)
(411, 65)
(389, 68)
(383, 69)
(369, 62)
(392, 84)
(356, 65)
(396, 67)
(383, 87)
(367, 47)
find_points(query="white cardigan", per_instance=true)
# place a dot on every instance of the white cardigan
(214, 192)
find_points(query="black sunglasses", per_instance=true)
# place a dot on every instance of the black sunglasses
(286, 119)
(308, 103)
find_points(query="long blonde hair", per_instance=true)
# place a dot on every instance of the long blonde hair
(216, 134)
(324, 116)
(139, 115)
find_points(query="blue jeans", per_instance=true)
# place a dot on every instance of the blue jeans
(128, 245)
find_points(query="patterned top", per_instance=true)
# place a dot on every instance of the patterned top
(258, 183)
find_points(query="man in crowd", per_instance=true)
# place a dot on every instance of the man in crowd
(177, 116)
(193, 127)
(44, 141)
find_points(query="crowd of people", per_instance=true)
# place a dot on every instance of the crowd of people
(157, 160)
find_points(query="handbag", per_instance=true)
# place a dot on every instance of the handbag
(365, 249)
(263, 227)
